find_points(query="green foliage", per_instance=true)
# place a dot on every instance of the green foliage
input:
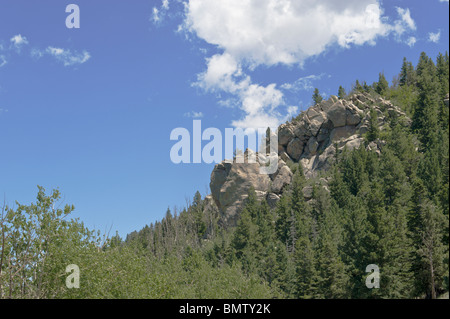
(341, 93)
(317, 98)
(374, 130)
(388, 208)
(382, 86)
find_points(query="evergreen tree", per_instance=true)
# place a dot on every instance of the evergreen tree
(382, 85)
(283, 213)
(358, 87)
(333, 277)
(341, 93)
(366, 87)
(407, 74)
(317, 98)
(374, 130)
(425, 120)
(431, 252)
(442, 66)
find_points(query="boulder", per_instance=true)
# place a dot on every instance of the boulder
(316, 118)
(308, 193)
(313, 145)
(342, 133)
(285, 135)
(272, 200)
(285, 157)
(352, 117)
(283, 178)
(230, 183)
(337, 114)
(295, 149)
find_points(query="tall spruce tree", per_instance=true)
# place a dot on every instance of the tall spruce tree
(382, 85)
(317, 98)
(341, 93)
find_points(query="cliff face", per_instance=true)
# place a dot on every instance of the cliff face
(311, 140)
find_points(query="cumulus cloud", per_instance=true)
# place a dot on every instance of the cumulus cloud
(434, 37)
(278, 32)
(287, 31)
(67, 57)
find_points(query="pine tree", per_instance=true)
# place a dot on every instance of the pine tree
(358, 87)
(442, 66)
(431, 252)
(382, 85)
(247, 240)
(391, 228)
(341, 93)
(425, 119)
(366, 87)
(356, 246)
(283, 213)
(317, 98)
(199, 223)
(333, 277)
(305, 259)
(374, 130)
(407, 74)
(442, 70)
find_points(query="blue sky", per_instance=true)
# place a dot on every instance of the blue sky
(90, 110)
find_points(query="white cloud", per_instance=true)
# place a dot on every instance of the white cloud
(194, 115)
(273, 32)
(283, 31)
(155, 15)
(223, 73)
(67, 57)
(303, 83)
(36, 53)
(2, 60)
(443, 1)
(411, 41)
(158, 15)
(406, 21)
(404, 27)
(434, 37)
(18, 41)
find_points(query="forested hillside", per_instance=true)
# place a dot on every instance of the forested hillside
(389, 208)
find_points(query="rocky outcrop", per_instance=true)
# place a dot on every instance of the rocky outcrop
(230, 182)
(312, 140)
(333, 122)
